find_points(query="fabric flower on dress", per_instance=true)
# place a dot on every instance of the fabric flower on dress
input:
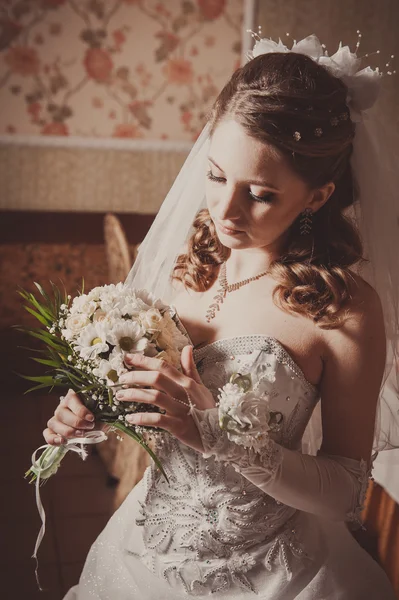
(244, 411)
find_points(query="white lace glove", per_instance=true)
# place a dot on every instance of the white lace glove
(327, 485)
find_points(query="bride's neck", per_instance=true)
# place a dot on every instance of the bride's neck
(243, 264)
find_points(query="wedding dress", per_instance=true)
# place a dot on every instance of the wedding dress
(211, 532)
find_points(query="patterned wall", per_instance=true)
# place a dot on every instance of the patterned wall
(146, 69)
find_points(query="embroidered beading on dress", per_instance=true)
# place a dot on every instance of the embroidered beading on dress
(207, 528)
(248, 344)
(354, 518)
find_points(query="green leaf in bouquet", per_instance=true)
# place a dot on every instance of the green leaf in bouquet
(110, 397)
(46, 337)
(47, 362)
(43, 293)
(45, 379)
(68, 376)
(37, 350)
(39, 317)
(139, 438)
(45, 312)
(39, 387)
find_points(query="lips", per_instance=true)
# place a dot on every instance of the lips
(228, 229)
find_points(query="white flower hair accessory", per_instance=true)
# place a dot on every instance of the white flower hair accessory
(363, 85)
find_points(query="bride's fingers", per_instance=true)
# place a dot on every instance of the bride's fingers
(146, 363)
(52, 437)
(149, 396)
(66, 416)
(64, 430)
(154, 379)
(166, 422)
(74, 403)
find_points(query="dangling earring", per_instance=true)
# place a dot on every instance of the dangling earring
(306, 221)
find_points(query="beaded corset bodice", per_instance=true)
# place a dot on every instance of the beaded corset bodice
(208, 523)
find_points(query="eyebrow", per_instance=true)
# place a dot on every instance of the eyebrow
(253, 182)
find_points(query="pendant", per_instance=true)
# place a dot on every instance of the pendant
(217, 301)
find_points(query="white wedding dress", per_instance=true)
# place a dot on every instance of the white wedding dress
(209, 532)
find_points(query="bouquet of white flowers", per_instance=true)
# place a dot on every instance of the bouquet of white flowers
(85, 343)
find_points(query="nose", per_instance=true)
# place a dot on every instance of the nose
(229, 204)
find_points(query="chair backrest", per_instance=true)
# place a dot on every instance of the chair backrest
(117, 249)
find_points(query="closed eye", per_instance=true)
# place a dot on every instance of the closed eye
(265, 199)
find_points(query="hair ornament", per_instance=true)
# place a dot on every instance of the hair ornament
(363, 84)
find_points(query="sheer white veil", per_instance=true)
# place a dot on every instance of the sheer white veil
(376, 213)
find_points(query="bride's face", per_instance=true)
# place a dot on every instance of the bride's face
(252, 194)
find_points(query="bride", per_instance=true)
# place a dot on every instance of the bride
(267, 286)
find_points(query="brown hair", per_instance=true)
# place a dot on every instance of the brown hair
(273, 96)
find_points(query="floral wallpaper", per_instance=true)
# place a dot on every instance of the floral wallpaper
(115, 68)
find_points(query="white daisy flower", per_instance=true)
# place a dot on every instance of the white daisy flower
(92, 341)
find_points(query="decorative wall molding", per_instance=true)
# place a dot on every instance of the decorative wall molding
(96, 143)
(86, 179)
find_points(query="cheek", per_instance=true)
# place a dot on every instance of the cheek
(211, 195)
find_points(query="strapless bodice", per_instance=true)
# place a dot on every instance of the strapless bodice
(208, 517)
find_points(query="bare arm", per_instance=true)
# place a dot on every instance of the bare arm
(352, 375)
(333, 483)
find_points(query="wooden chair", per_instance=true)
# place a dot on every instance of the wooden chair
(125, 460)
(381, 519)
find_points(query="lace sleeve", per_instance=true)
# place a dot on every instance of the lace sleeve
(217, 443)
(331, 486)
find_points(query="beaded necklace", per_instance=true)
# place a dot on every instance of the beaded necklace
(226, 288)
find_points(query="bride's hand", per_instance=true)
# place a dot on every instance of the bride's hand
(71, 419)
(172, 391)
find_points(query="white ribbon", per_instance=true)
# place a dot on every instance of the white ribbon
(47, 465)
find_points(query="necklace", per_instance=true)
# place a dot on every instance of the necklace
(226, 288)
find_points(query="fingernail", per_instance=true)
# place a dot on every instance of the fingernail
(79, 433)
(122, 379)
(89, 425)
(89, 417)
(131, 418)
(57, 440)
(120, 394)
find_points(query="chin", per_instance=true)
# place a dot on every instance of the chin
(233, 242)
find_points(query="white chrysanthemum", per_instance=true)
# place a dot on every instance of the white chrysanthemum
(107, 319)
(92, 341)
(106, 371)
(84, 305)
(130, 306)
(116, 361)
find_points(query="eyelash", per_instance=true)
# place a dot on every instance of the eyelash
(264, 199)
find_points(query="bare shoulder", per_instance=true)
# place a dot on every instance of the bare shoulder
(364, 323)
(353, 366)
